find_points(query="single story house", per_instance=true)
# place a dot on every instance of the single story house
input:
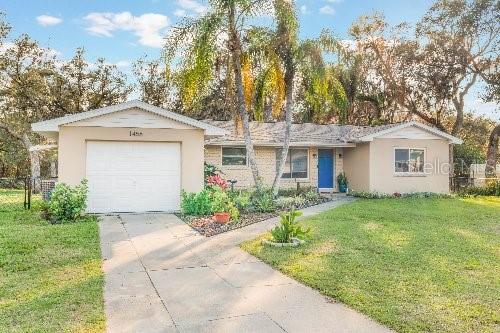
(138, 157)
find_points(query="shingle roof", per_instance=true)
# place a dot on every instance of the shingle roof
(302, 134)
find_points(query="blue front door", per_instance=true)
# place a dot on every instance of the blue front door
(325, 168)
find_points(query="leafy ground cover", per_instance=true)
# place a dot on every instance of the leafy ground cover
(252, 207)
(413, 264)
(50, 275)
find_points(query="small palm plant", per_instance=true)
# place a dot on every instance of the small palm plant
(289, 229)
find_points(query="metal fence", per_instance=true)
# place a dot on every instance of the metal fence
(19, 193)
(462, 183)
(15, 194)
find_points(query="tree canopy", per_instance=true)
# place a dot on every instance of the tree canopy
(225, 65)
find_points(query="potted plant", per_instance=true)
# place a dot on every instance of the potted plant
(222, 217)
(342, 181)
(222, 206)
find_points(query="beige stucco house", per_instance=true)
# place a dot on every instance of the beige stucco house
(138, 157)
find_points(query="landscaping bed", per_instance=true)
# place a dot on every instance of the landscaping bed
(206, 225)
(254, 211)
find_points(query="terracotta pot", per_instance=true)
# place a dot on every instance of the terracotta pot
(222, 218)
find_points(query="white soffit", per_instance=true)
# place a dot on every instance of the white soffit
(412, 130)
(53, 124)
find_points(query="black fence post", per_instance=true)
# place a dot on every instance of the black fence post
(25, 193)
(30, 184)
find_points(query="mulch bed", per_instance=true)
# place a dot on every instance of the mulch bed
(206, 226)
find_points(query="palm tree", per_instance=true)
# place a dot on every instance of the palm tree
(323, 94)
(286, 49)
(263, 75)
(201, 41)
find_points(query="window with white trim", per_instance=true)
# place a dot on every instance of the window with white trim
(234, 156)
(409, 160)
(296, 164)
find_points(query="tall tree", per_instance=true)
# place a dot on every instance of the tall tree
(463, 45)
(24, 93)
(323, 96)
(264, 79)
(366, 102)
(204, 40)
(286, 48)
(35, 86)
(154, 81)
(77, 86)
(492, 153)
(429, 75)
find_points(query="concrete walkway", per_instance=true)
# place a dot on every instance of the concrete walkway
(161, 276)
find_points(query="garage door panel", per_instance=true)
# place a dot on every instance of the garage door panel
(133, 176)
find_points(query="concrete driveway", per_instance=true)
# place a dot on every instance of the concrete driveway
(161, 276)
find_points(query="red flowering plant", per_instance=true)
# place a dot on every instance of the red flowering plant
(216, 180)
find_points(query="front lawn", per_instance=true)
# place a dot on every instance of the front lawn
(50, 275)
(415, 265)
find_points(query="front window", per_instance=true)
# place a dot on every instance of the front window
(409, 160)
(234, 156)
(295, 164)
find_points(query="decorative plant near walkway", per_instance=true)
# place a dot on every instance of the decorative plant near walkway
(342, 181)
(213, 199)
(289, 229)
(208, 211)
(198, 203)
(222, 203)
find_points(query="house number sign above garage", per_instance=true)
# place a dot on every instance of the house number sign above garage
(135, 133)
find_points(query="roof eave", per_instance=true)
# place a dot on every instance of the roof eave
(450, 138)
(52, 125)
(273, 144)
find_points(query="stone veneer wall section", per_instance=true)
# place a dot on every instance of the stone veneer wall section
(266, 161)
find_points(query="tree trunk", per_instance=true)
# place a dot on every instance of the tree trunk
(235, 48)
(268, 110)
(33, 155)
(492, 154)
(451, 162)
(459, 120)
(289, 77)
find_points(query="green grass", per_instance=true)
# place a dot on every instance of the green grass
(50, 275)
(415, 265)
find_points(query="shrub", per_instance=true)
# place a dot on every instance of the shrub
(377, 195)
(312, 194)
(289, 228)
(211, 170)
(241, 199)
(285, 203)
(491, 188)
(263, 201)
(222, 203)
(199, 203)
(12, 183)
(292, 192)
(425, 195)
(67, 203)
(216, 181)
(208, 201)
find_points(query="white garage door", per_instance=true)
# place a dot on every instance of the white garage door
(133, 176)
